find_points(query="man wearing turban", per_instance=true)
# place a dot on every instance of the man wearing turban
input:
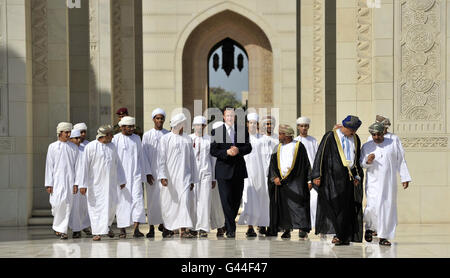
(177, 174)
(311, 146)
(289, 172)
(82, 127)
(255, 197)
(123, 112)
(337, 177)
(60, 173)
(130, 208)
(79, 216)
(383, 159)
(101, 176)
(150, 146)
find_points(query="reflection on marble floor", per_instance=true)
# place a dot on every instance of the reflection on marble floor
(39, 242)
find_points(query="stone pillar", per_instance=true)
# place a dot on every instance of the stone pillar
(115, 55)
(51, 98)
(313, 65)
(420, 106)
(79, 63)
(15, 114)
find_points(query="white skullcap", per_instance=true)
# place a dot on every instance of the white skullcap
(63, 127)
(127, 120)
(177, 119)
(80, 126)
(199, 120)
(158, 111)
(253, 117)
(75, 133)
(303, 121)
(217, 124)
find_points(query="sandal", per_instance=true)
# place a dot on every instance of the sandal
(335, 239)
(368, 236)
(385, 242)
(186, 235)
(111, 234)
(122, 235)
(57, 234)
(97, 238)
(64, 236)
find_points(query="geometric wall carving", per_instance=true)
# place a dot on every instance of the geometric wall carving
(421, 90)
(424, 142)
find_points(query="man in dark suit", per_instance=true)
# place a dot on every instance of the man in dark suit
(229, 144)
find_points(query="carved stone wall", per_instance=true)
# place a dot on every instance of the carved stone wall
(421, 90)
(364, 41)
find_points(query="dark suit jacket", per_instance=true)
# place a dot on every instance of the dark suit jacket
(228, 167)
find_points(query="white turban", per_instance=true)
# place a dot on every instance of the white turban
(177, 119)
(199, 120)
(63, 127)
(80, 126)
(303, 121)
(253, 117)
(104, 130)
(127, 120)
(75, 133)
(217, 124)
(158, 111)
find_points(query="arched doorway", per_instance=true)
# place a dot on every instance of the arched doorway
(205, 36)
(228, 75)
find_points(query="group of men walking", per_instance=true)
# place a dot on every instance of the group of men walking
(197, 183)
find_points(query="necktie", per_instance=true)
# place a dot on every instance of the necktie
(232, 135)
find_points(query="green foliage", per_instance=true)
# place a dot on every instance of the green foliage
(220, 98)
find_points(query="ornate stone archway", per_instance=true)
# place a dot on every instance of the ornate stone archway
(208, 33)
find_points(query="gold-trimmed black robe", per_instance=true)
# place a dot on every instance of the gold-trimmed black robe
(289, 202)
(339, 201)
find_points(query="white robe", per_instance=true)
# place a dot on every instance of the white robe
(202, 189)
(177, 164)
(380, 213)
(79, 216)
(268, 146)
(255, 197)
(311, 146)
(131, 199)
(102, 174)
(150, 146)
(60, 174)
(217, 218)
(83, 145)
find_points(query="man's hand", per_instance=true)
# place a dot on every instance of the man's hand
(49, 189)
(75, 189)
(233, 151)
(405, 184)
(83, 191)
(317, 181)
(309, 186)
(370, 158)
(150, 179)
(191, 187)
(122, 186)
(164, 182)
(213, 185)
(355, 182)
(277, 181)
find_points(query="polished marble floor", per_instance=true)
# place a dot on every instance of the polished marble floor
(412, 241)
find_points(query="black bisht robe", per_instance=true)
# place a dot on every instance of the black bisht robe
(339, 201)
(289, 202)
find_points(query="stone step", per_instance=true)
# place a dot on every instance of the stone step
(40, 221)
(41, 213)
